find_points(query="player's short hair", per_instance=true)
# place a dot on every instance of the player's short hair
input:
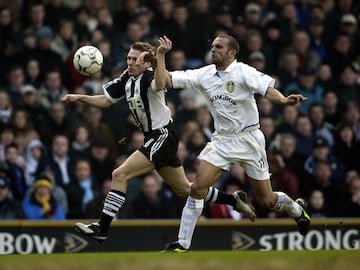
(142, 46)
(233, 43)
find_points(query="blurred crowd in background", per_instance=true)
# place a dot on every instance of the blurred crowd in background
(56, 161)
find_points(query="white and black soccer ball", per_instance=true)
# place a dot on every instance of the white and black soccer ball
(88, 60)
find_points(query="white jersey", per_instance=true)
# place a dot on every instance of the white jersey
(229, 94)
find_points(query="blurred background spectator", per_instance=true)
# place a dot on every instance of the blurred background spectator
(40, 203)
(81, 190)
(150, 202)
(9, 207)
(316, 204)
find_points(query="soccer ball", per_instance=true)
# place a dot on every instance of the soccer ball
(88, 60)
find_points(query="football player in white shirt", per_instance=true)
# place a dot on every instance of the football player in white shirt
(228, 87)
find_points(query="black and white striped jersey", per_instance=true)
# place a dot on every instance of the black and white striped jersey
(146, 105)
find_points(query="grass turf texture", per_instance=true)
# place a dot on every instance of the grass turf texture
(217, 260)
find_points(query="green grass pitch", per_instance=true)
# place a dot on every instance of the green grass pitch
(197, 260)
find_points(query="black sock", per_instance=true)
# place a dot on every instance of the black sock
(217, 196)
(113, 202)
(105, 222)
(225, 198)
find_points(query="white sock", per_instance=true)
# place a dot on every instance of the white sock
(190, 215)
(285, 204)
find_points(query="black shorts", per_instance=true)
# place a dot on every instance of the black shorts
(160, 147)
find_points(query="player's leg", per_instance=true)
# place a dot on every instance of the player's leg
(176, 179)
(191, 211)
(207, 174)
(267, 198)
(256, 167)
(280, 201)
(201, 189)
(135, 165)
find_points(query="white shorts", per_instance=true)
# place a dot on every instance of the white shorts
(246, 148)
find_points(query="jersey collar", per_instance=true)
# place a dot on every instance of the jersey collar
(228, 69)
(231, 66)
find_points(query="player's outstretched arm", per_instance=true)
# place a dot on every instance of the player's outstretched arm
(276, 96)
(99, 101)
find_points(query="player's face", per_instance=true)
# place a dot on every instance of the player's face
(220, 52)
(133, 68)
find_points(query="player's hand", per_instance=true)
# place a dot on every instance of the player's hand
(141, 57)
(295, 99)
(70, 98)
(146, 57)
(165, 45)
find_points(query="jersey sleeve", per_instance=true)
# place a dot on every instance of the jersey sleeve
(114, 90)
(257, 81)
(185, 79)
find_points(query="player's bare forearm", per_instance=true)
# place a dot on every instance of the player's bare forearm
(161, 75)
(276, 96)
(99, 101)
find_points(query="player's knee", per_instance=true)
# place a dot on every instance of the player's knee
(118, 175)
(182, 193)
(198, 191)
(183, 190)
